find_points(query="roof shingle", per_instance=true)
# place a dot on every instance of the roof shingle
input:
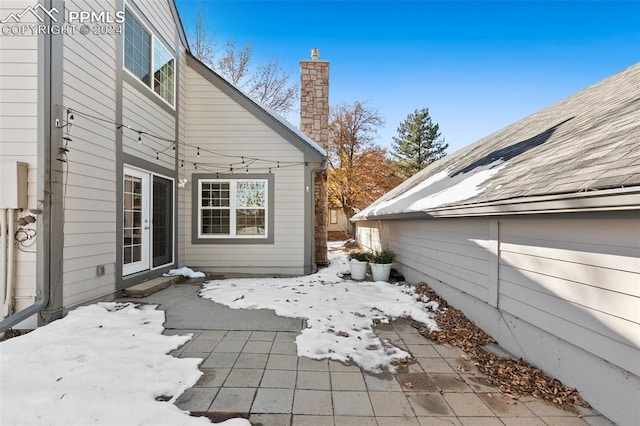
(588, 141)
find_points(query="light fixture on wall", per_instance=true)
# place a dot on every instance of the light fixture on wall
(182, 183)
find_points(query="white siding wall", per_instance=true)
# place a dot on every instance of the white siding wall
(453, 251)
(18, 129)
(182, 208)
(579, 279)
(142, 113)
(159, 13)
(90, 202)
(216, 122)
(567, 291)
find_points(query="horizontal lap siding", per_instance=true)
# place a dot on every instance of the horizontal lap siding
(182, 208)
(215, 122)
(19, 131)
(142, 113)
(159, 13)
(453, 251)
(89, 75)
(577, 279)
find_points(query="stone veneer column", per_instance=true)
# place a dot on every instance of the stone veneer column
(314, 122)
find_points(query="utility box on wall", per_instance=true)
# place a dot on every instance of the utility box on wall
(13, 185)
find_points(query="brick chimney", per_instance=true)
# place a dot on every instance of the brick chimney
(314, 122)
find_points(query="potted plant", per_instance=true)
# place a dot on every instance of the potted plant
(381, 261)
(358, 261)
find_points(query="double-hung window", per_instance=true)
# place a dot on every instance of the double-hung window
(146, 58)
(233, 208)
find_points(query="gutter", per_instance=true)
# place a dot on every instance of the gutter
(27, 312)
(616, 199)
(49, 68)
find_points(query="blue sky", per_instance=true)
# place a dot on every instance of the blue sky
(478, 66)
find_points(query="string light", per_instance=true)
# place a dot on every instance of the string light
(244, 160)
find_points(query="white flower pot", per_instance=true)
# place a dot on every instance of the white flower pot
(381, 271)
(358, 269)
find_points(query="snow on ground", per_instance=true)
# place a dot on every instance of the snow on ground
(101, 364)
(185, 272)
(339, 313)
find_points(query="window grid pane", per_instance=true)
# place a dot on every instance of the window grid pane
(163, 73)
(137, 42)
(250, 222)
(132, 223)
(233, 208)
(215, 194)
(216, 222)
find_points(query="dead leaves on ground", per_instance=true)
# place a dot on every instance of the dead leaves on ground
(514, 378)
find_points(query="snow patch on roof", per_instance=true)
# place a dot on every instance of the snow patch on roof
(437, 190)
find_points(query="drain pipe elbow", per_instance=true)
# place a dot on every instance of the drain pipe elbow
(42, 299)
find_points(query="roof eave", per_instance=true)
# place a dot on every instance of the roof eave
(618, 199)
(178, 20)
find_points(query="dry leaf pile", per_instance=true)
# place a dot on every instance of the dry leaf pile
(513, 377)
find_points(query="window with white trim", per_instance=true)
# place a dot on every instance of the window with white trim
(148, 59)
(233, 208)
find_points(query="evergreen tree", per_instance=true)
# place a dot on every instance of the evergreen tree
(418, 143)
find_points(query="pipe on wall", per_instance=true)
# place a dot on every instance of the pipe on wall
(11, 261)
(42, 299)
(3, 260)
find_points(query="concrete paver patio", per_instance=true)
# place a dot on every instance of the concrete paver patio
(257, 374)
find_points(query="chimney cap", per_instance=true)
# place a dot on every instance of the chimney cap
(315, 53)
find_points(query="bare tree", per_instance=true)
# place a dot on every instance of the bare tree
(201, 41)
(269, 84)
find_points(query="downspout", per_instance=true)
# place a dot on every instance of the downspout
(45, 124)
(3, 260)
(7, 308)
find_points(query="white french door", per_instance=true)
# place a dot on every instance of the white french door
(136, 222)
(147, 222)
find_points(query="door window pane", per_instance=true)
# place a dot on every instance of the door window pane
(162, 221)
(132, 219)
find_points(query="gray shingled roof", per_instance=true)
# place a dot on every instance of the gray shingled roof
(588, 141)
